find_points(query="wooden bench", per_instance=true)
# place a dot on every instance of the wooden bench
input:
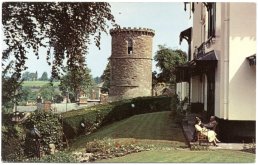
(202, 139)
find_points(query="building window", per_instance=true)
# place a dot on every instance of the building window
(130, 46)
(211, 8)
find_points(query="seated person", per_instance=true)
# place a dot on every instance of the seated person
(206, 132)
(212, 124)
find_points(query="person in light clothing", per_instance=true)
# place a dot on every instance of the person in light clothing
(206, 132)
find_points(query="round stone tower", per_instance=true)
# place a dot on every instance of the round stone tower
(131, 63)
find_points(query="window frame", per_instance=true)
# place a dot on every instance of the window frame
(211, 8)
(130, 46)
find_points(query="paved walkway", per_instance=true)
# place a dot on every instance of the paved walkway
(188, 128)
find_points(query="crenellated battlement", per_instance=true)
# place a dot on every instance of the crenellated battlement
(145, 31)
(131, 63)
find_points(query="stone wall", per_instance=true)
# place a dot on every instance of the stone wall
(131, 72)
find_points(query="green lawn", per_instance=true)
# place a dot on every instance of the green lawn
(154, 127)
(158, 129)
(185, 156)
(37, 83)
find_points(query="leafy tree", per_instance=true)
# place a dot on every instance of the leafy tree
(97, 80)
(44, 76)
(36, 75)
(64, 28)
(11, 85)
(29, 76)
(26, 76)
(167, 59)
(26, 94)
(32, 76)
(76, 81)
(154, 78)
(47, 91)
(58, 98)
(105, 77)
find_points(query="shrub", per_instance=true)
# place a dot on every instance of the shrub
(90, 117)
(17, 142)
(12, 142)
(87, 120)
(51, 131)
(177, 108)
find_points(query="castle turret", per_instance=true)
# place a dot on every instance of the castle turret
(131, 63)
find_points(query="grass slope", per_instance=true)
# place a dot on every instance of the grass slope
(145, 127)
(160, 130)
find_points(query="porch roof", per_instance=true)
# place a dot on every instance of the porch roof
(210, 56)
(196, 66)
(186, 34)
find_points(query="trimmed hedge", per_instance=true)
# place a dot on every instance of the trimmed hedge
(87, 120)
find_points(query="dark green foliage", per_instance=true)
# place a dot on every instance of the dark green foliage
(175, 103)
(11, 85)
(105, 77)
(91, 117)
(29, 76)
(50, 128)
(17, 141)
(44, 77)
(76, 81)
(64, 28)
(27, 94)
(97, 80)
(137, 106)
(167, 59)
(47, 91)
(99, 115)
(177, 109)
(13, 137)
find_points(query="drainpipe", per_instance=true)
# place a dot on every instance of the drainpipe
(226, 60)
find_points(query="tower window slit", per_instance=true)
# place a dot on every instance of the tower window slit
(130, 46)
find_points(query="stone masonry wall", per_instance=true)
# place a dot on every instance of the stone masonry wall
(131, 74)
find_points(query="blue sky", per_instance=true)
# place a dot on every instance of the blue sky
(168, 19)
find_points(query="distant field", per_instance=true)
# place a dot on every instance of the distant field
(38, 83)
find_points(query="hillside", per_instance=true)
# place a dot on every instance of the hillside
(158, 131)
(38, 83)
(150, 127)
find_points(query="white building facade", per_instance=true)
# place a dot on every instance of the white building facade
(221, 71)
